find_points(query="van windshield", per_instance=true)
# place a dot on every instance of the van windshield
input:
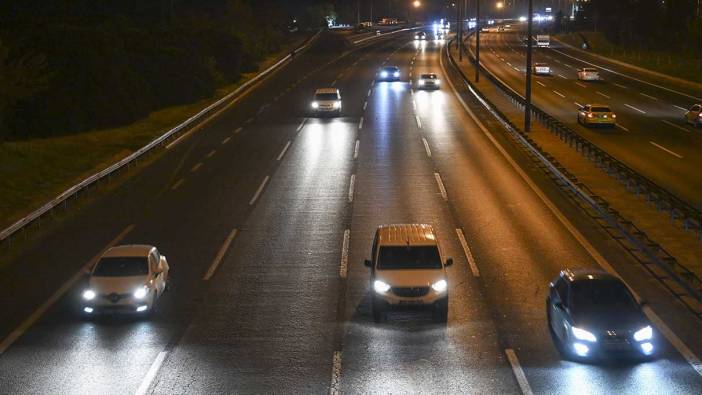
(409, 257)
(326, 96)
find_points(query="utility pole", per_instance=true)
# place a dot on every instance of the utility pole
(358, 13)
(527, 105)
(458, 24)
(477, 40)
(461, 10)
(371, 12)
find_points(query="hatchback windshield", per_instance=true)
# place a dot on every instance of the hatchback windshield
(326, 96)
(428, 76)
(121, 267)
(601, 295)
(601, 109)
(409, 257)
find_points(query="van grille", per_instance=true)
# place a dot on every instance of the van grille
(410, 292)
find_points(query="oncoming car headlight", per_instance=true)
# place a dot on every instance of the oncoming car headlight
(384, 74)
(337, 104)
(396, 74)
(141, 292)
(643, 334)
(89, 294)
(440, 286)
(582, 334)
(315, 104)
(380, 287)
(421, 82)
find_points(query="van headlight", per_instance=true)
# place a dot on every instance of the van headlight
(643, 334)
(141, 292)
(89, 294)
(582, 334)
(315, 104)
(440, 286)
(337, 104)
(380, 286)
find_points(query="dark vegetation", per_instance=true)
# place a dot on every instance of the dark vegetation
(68, 66)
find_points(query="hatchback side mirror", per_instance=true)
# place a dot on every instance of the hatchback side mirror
(368, 263)
(449, 262)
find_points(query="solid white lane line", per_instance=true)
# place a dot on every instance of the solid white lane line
(360, 123)
(541, 83)
(440, 183)
(559, 94)
(258, 191)
(352, 183)
(178, 184)
(675, 154)
(620, 86)
(56, 296)
(426, 147)
(176, 141)
(680, 108)
(302, 124)
(365, 104)
(562, 76)
(211, 154)
(225, 141)
(581, 85)
(634, 108)
(239, 129)
(466, 251)
(518, 372)
(220, 255)
(344, 263)
(355, 149)
(282, 153)
(648, 96)
(602, 94)
(621, 127)
(419, 122)
(196, 167)
(675, 126)
(151, 373)
(679, 345)
(577, 104)
(335, 374)
(557, 61)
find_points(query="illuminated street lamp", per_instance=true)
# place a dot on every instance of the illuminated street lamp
(417, 3)
(499, 5)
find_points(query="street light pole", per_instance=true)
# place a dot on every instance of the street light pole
(527, 105)
(461, 18)
(477, 40)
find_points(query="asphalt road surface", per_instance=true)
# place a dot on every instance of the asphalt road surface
(286, 309)
(651, 135)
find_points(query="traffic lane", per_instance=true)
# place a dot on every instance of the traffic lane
(517, 263)
(395, 183)
(268, 319)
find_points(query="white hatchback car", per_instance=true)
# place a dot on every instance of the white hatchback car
(428, 81)
(589, 74)
(126, 279)
(327, 101)
(541, 69)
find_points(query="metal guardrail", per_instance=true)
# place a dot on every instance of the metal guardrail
(7, 233)
(687, 287)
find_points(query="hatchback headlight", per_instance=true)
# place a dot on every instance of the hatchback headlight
(315, 104)
(380, 286)
(440, 286)
(643, 334)
(141, 292)
(582, 334)
(384, 74)
(396, 74)
(89, 294)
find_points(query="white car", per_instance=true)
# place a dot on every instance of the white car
(588, 74)
(407, 271)
(126, 279)
(693, 116)
(541, 69)
(420, 36)
(327, 101)
(428, 81)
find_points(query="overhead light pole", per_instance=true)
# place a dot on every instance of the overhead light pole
(527, 105)
(477, 40)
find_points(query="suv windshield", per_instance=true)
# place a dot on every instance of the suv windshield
(409, 257)
(326, 96)
(121, 267)
(601, 295)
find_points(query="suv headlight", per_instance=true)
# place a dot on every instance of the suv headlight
(582, 334)
(440, 286)
(315, 104)
(141, 292)
(89, 294)
(643, 334)
(380, 286)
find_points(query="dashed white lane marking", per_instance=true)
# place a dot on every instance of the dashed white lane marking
(344, 263)
(39, 312)
(541, 83)
(469, 255)
(225, 141)
(220, 255)
(178, 184)
(355, 149)
(562, 76)
(333, 83)
(410, 74)
(372, 83)
(211, 153)
(258, 191)
(302, 124)
(426, 147)
(675, 154)
(414, 105)
(580, 84)
(509, 64)
(675, 126)
(577, 104)
(648, 96)
(440, 183)
(518, 372)
(516, 69)
(559, 94)
(602, 94)
(239, 129)
(365, 104)
(352, 184)
(178, 140)
(196, 167)
(634, 108)
(680, 108)
(621, 127)
(335, 374)
(151, 373)
(419, 121)
(360, 123)
(369, 93)
(557, 61)
(620, 86)
(250, 120)
(282, 153)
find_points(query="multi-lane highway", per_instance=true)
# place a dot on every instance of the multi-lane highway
(651, 135)
(266, 215)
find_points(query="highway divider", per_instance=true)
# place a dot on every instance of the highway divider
(681, 282)
(158, 143)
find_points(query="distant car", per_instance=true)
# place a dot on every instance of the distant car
(593, 314)
(389, 73)
(596, 114)
(589, 74)
(694, 115)
(327, 101)
(408, 271)
(541, 69)
(420, 36)
(428, 81)
(126, 279)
